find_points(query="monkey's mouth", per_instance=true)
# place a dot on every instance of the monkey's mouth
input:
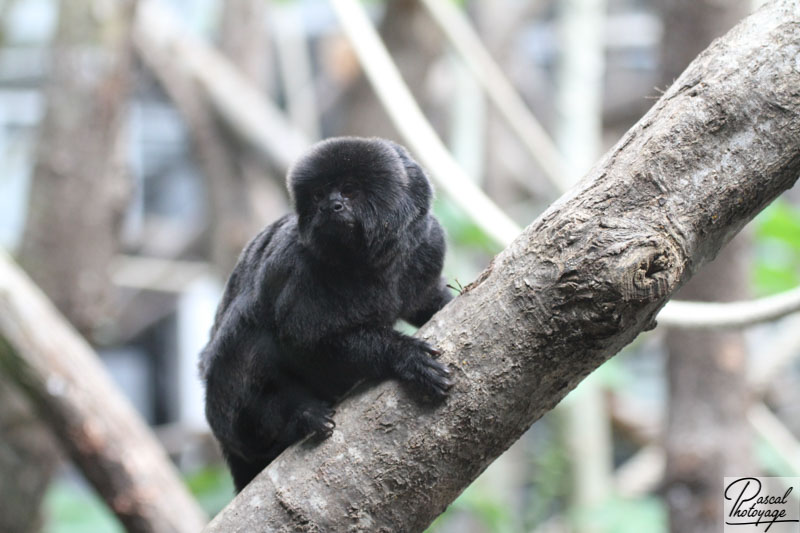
(338, 226)
(342, 220)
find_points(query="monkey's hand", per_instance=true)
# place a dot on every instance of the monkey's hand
(419, 368)
(383, 353)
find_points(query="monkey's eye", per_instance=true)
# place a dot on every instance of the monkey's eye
(348, 190)
(318, 195)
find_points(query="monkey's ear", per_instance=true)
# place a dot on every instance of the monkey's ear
(413, 170)
(401, 151)
(419, 186)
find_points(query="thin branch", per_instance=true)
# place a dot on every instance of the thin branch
(466, 42)
(770, 428)
(260, 124)
(701, 315)
(414, 127)
(641, 473)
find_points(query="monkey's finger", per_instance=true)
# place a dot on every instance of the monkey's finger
(433, 351)
(440, 368)
(441, 388)
(437, 384)
(325, 429)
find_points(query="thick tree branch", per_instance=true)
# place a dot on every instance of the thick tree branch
(579, 284)
(97, 426)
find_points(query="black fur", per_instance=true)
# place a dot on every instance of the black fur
(309, 308)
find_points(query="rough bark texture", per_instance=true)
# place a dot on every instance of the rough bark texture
(79, 188)
(580, 283)
(96, 425)
(708, 394)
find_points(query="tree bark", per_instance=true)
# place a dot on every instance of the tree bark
(579, 284)
(101, 431)
(707, 433)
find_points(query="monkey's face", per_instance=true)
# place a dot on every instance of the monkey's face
(335, 209)
(350, 193)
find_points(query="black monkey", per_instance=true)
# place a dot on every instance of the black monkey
(309, 308)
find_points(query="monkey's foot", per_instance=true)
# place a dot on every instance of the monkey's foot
(318, 419)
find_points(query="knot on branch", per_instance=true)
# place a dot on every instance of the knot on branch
(650, 272)
(605, 274)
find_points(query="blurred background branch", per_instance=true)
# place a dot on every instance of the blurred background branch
(95, 424)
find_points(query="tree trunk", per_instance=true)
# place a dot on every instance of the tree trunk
(28, 457)
(707, 434)
(79, 190)
(77, 198)
(579, 284)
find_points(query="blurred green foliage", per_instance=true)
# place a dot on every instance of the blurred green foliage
(72, 506)
(777, 248)
(461, 230)
(549, 473)
(619, 515)
(481, 505)
(212, 486)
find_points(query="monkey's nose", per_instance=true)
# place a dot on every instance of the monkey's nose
(337, 206)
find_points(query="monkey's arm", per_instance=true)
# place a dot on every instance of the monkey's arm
(429, 304)
(383, 352)
(424, 291)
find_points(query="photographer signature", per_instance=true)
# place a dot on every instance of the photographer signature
(750, 507)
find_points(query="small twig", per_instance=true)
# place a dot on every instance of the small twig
(701, 315)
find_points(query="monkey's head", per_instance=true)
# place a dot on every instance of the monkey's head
(356, 196)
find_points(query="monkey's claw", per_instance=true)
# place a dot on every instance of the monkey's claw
(320, 421)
